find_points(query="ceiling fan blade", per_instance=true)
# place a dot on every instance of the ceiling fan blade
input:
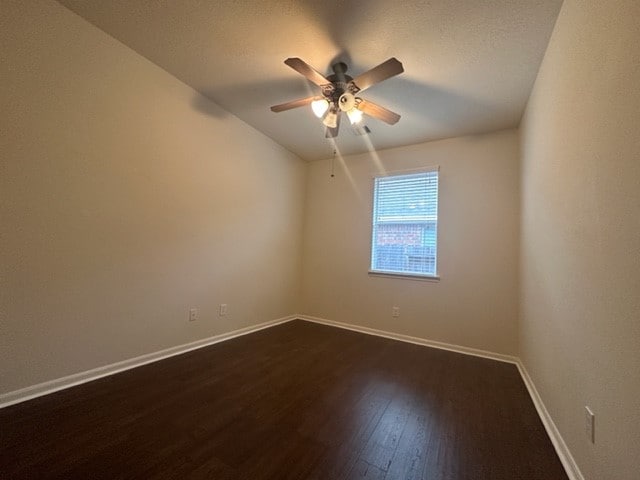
(307, 70)
(294, 104)
(378, 112)
(333, 132)
(377, 74)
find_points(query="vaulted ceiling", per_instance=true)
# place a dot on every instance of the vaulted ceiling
(469, 64)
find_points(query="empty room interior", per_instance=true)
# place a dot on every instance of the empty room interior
(344, 240)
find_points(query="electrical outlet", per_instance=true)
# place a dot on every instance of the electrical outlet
(589, 423)
(223, 309)
(193, 314)
(395, 312)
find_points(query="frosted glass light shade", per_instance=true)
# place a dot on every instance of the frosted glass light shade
(331, 120)
(355, 116)
(319, 107)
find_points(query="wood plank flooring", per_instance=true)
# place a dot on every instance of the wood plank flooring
(296, 401)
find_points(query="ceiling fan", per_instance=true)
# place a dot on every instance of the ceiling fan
(339, 94)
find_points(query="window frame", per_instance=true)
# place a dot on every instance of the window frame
(435, 277)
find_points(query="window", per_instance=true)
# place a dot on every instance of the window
(405, 224)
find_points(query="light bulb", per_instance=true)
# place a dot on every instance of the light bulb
(319, 107)
(331, 120)
(355, 116)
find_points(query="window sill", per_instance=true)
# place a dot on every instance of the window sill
(406, 276)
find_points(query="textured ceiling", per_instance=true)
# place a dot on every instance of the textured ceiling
(469, 65)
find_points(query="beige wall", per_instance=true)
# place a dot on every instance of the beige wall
(580, 315)
(475, 302)
(126, 198)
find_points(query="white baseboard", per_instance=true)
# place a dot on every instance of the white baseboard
(558, 442)
(51, 386)
(568, 462)
(415, 340)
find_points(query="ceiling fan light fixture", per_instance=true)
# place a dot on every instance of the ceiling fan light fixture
(347, 102)
(355, 116)
(319, 107)
(338, 94)
(331, 120)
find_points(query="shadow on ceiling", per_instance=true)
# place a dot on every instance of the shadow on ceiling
(405, 96)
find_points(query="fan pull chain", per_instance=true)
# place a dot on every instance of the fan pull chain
(333, 161)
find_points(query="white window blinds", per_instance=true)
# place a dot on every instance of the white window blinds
(405, 224)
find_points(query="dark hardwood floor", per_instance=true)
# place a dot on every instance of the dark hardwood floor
(296, 401)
